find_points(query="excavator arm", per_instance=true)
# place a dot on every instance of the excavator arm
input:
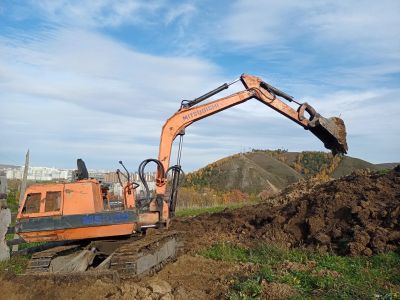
(330, 131)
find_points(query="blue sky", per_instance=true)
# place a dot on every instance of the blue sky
(97, 79)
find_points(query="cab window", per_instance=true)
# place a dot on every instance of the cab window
(32, 203)
(53, 201)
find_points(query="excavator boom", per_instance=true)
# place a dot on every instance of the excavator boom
(331, 131)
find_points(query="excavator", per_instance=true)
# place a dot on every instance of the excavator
(95, 238)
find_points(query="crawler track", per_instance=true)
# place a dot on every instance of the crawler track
(133, 258)
(41, 262)
(146, 255)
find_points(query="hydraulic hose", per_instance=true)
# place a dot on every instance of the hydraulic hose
(176, 180)
(142, 176)
(175, 168)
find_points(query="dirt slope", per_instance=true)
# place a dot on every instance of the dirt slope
(279, 174)
(357, 214)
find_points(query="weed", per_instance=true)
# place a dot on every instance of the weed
(190, 212)
(228, 252)
(16, 264)
(329, 277)
(29, 245)
(12, 200)
(246, 288)
(383, 171)
(9, 236)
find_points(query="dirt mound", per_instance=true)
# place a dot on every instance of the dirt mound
(292, 191)
(356, 214)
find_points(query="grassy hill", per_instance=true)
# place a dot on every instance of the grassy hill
(272, 170)
(249, 172)
(350, 164)
(388, 165)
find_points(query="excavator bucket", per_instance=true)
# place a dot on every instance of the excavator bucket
(332, 132)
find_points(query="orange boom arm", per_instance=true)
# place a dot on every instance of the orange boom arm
(255, 88)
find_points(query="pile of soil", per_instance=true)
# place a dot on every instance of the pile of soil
(358, 215)
(293, 191)
(190, 277)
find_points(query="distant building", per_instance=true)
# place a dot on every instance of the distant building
(140, 191)
(96, 175)
(40, 173)
(112, 177)
(53, 174)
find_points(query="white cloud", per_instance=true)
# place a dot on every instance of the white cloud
(99, 13)
(182, 11)
(111, 13)
(367, 27)
(58, 132)
(371, 119)
(256, 23)
(91, 70)
(74, 90)
(73, 93)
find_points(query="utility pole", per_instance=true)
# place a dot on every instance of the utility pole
(22, 193)
(24, 178)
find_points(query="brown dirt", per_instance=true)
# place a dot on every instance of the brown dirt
(198, 277)
(341, 133)
(277, 291)
(358, 215)
(190, 277)
(292, 191)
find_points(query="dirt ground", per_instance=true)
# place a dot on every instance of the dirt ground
(355, 215)
(190, 277)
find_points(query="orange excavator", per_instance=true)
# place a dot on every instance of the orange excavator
(100, 238)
